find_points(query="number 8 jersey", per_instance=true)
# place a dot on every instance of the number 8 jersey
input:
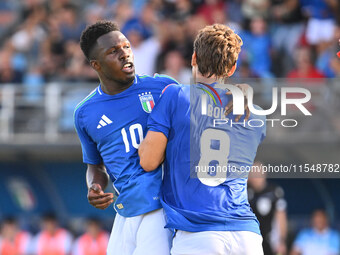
(110, 129)
(203, 186)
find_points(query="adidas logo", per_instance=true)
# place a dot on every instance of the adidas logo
(103, 122)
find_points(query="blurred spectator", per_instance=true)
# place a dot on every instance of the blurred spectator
(268, 203)
(304, 67)
(30, 6)
(123, 11)
(318, 240)
(52, 53)
(256, 48)
(93, 242)
(76, 66)
(8, 15)
(193, 25)
(335, 66)
(8, 72)
(143, 23)
(321, 20)
(13, 241)
(209, 8)
(70, 24)
(29, 37)
(255, 8)
(243, 73)
(175, 67)
(234, 11)
(183, 9)
(178, 37)
(52, 239)
(327, 60)
(144, 46)
(286, 30)
(56, 6)
(98, 9)
(145, 51)
(33, 82)
(159, 26)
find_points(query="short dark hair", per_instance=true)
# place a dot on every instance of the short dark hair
(91, 33)
(9, 220)
(217, 48)
(49, 216)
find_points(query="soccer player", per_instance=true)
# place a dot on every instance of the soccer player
(211, 214)
(93, 242)
(52, 239)
(111, 123)
(13, 240)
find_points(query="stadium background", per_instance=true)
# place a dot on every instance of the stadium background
(43, 75)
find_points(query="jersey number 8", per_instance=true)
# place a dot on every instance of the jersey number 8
(208, 155)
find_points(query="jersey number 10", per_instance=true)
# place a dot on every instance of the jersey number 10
(132, 130)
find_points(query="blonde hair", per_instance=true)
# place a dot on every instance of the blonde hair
(217, 48)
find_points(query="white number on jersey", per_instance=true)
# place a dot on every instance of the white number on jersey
(208, 154)
(135, 127)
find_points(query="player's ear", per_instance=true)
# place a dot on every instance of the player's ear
(194, 59)
(95, 65)
(232, 70)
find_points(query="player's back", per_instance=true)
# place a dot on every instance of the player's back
(193, 198)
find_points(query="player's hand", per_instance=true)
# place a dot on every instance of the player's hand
(228, 109)
(98, 198)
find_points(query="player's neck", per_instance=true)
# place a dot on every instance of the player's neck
(199, 78)
(110, 87)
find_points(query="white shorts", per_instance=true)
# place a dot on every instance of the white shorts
(140, 235)
(217, 243)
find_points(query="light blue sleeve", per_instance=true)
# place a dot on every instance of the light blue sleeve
(335, 242)
(301, 239)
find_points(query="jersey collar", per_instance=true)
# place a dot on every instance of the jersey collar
(102, 93)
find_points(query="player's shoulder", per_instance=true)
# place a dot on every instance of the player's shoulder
(87, 100)
(173, 88)
(158, 78)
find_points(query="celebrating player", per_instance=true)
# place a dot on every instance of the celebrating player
(211, 214)
(110, 123)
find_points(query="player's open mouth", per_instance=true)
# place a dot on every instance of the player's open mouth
(128, 67)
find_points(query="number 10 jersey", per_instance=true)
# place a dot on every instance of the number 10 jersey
(110, 129)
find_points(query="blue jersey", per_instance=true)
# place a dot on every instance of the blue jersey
(192, 135)
(312, 242)
(110, 129)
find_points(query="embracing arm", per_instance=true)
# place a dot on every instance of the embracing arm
(152, 150)
(97, 180)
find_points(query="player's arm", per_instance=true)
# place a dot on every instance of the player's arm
(281, 218)
(152, 150)
(96, 176)
(97, 180)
